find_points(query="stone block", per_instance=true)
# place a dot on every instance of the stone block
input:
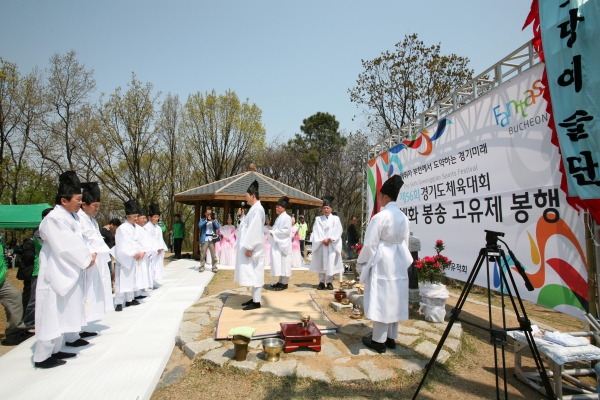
(358, 300)
(413, 296)
(215, 313)
(219, 356)
(427, 348)
(248, 365)
(375, 374)
(339, 306)
(342, 360)
(303, 371)
(348, 374)
(196, 309)
(188, 327)
(406, 340)
(350, 329)
(366, 331)
(255, 344)
(412, 365)
(456, 330)
(408, 330)
(184, 338)
(328, 349)
(428, 326)
(203, 320)
(279, 368)
(192, 349)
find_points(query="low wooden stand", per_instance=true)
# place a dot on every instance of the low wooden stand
(295, 336)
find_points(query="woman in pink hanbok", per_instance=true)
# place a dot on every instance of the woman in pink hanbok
(296, 257)
(227, 253)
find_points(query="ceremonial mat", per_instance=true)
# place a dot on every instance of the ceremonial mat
(276, 307)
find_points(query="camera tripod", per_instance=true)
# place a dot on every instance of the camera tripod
(493, 252)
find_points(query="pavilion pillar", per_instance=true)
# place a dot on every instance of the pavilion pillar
(226, 212)
(273, 213)
(195, 242)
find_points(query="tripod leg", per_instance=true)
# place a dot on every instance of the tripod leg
(453, 317)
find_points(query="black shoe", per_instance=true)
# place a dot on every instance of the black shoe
(280, 287)
(132, 303)
(87, 334)
(17, 339)
(50, 362)
(321, 286)
(119, 307)
(390, 343)
(275, 286)
(329, 286)
(251, 306)
(139, 297)
(247, 302)
(78, 343)
(378, 347)
(62, 355)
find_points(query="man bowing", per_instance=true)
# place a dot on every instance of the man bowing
(249, 263)
(326, 241)
(386, 258)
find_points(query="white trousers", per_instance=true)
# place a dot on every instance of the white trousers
(284, 280)
(322, 278)
(45, 348)
(121, 298)
(256, 294)
(70, 337)
(382, 332)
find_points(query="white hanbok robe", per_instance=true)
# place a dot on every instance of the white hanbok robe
(250, 271)
(385, 274)
(98, 289)
(127, 245)
(59, 303)
(144, 279)
(157, 267)
(281, 247)
(327, 259)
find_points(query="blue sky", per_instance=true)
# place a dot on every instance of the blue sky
(290, 58)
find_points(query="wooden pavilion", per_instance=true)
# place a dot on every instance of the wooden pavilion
(229, 193)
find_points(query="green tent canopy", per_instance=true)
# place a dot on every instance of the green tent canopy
(21, 216)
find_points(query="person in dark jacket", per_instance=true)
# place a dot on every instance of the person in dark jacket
(352, 238)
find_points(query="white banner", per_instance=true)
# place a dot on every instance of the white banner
(491, 165)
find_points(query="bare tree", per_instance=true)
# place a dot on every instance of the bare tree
(69, 87)
(397, 86)
(9, 114)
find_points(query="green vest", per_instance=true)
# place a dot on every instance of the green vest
(36, 262)
(2, 265)
(302, 230)
(178, 230)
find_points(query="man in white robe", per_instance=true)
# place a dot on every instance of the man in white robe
(145, 279)
(155, 232)
(326, 239)
(249, 262)
(128, 254)
(386, 259)
(59, 306)
(281, 247)
(98, 289)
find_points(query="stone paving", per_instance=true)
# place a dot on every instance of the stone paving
(342, 358)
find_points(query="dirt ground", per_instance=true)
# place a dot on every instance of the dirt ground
(467, 375)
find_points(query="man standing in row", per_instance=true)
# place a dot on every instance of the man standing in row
(249, 262)
(326, 241)
(281, 250)
(156, 233)
(386, 259)
(59, 307)
(128, 254)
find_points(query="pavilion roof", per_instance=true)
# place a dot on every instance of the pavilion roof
(234, 188)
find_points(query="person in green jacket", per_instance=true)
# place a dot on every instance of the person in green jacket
(29, 315)
(11, 300)
(178, 235)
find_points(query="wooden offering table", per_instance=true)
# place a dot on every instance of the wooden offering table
(296, 336)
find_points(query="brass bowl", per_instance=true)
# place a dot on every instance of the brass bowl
(273, 348)
(345, 301)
